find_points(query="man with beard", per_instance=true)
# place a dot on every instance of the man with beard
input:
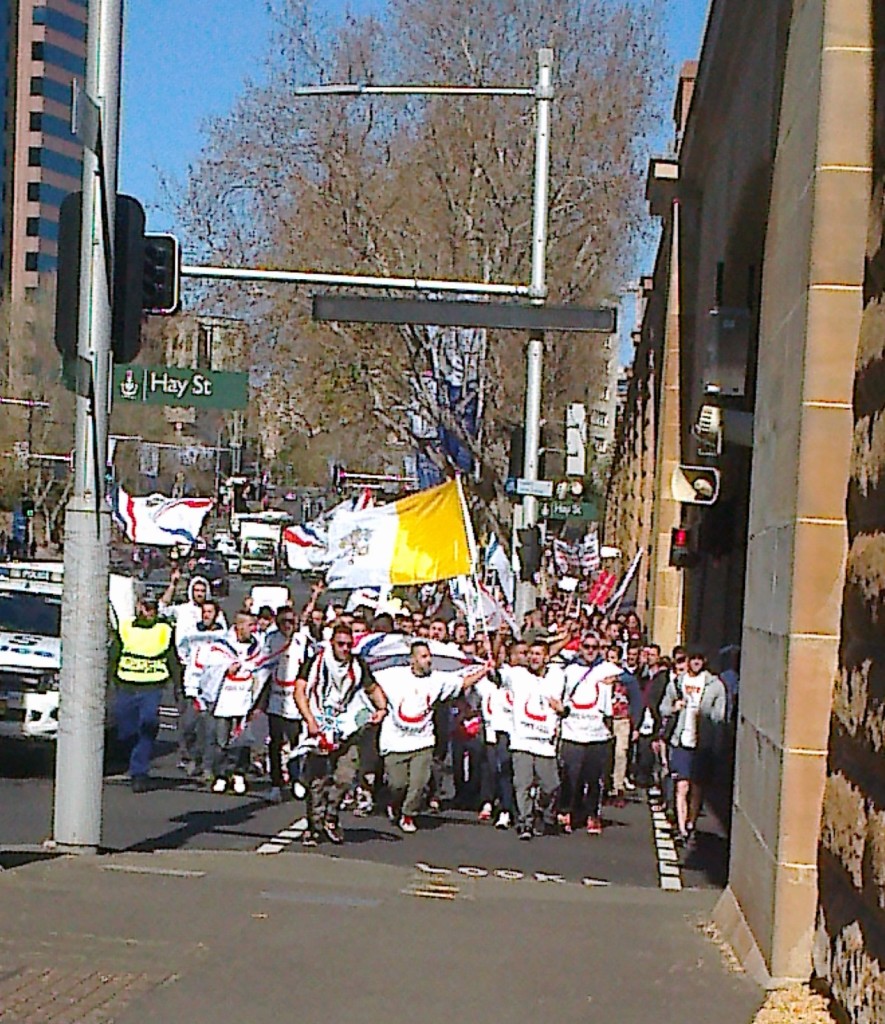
(337, 696)
(537, 707)
(407, 735)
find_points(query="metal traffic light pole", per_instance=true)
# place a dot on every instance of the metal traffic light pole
(525, 591)
(84, 630)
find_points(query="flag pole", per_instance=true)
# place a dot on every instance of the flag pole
(474, 557)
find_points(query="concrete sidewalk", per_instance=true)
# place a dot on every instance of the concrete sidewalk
(210, 938)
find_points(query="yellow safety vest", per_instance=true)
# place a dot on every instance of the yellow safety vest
(143, 657)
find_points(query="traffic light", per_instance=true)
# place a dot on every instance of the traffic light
(681, 548)
(161, 281)
(695, 485)
(128, 261)
(28, 507)
(529, 552)
(146, 277)
(67, 287)
(517, 454)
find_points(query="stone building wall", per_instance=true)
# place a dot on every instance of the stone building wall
(850, 940)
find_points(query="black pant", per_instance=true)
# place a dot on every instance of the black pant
(468, 758)
(282, 730)
(645, 763)
(584, 768)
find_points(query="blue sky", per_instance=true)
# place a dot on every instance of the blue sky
(185, 60)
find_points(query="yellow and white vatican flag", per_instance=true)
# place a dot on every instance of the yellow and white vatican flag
(419, 539)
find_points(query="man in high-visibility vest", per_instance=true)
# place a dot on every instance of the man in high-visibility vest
(143, 662)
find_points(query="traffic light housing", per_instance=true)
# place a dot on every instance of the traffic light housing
(161, 279)
(516, 461)
(681, 548)
(128, 261)
(146, 277)
(529, 552)
(338, 474)
(28, 508)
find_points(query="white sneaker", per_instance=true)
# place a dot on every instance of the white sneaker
(219, 786)
(629, 786)
(298, 790)
(486, 813)
(274, 796)
(239, 784)
(406, 824)
(503, 820)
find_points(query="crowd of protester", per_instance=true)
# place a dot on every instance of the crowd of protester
(535, 732)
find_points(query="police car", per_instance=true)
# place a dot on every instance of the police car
(30, 645)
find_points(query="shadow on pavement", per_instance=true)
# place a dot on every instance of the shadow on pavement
(196, 823)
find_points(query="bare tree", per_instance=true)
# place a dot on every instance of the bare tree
(436, 187)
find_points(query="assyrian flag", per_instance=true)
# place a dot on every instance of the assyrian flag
(419, 539)
(381, 651)
(158, 520)
(307, 545)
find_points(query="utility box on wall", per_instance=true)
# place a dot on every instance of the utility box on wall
(727, 351)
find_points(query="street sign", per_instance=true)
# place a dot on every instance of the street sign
(181, 386)
(569, 510)
(534, 488)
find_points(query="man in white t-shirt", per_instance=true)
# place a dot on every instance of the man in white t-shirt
(537, 708)
(407, 736)
(585, 751)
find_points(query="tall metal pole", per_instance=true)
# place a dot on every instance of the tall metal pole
(78, 774)
(525, 592)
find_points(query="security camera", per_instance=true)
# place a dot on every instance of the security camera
(708, 430)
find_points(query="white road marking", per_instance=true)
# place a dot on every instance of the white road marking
(669, 871)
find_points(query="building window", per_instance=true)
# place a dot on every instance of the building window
(35, 154)
(37, 86)
(37, 51)
(33, 191)
(36, 120)
(598, 418)
(30, 261)
(32, 228)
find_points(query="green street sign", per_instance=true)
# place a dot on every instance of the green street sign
(181, 386)
(569, 510)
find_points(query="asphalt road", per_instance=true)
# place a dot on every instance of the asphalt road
(180, 814)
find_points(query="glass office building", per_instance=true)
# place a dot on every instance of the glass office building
(46, 51)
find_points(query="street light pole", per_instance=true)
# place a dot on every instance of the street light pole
(83, 683)
(525, 591)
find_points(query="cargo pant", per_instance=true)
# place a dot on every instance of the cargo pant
(327, 778)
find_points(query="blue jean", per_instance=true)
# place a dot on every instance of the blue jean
(137, 711)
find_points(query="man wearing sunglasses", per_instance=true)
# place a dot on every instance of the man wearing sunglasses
(337, 696)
